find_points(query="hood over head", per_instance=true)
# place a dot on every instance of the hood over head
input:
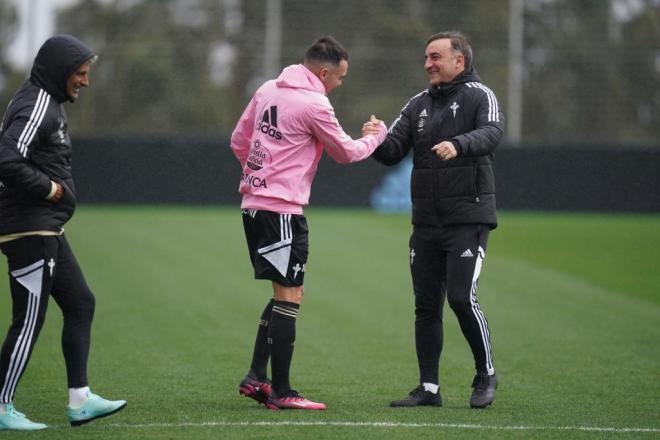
(298, 76)
(56, 60)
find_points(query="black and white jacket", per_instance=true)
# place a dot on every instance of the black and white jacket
(34, 143)
(460, 190)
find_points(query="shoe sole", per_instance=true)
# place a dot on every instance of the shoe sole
(275, 407)
(82, 422)
(4, 428)
(482, 406)
(415, 406)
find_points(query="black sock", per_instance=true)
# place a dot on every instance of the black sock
(258, 368)
(281, 335)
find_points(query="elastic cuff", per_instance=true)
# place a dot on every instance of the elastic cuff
(53, 190)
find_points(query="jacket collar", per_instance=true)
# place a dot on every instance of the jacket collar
(447, 89)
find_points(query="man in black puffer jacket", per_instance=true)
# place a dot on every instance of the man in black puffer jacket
(452, 128)
(37, 197)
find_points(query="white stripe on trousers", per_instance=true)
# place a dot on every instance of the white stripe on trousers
(478, 314)
(19, 356)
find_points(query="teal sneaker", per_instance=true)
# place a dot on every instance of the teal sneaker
(94, 407)
(17, 421)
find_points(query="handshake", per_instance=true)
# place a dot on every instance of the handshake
(372, 126)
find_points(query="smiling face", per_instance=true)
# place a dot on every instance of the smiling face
(79, 78)
(333, 76)
(442, 63)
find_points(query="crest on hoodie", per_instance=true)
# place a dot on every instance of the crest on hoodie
(259, 156)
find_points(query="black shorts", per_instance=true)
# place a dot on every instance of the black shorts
(278, 245)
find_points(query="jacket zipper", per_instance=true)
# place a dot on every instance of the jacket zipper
(475, 169)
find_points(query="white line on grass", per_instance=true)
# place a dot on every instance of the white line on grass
(385, 425)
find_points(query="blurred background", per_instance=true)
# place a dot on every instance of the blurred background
(579, 81)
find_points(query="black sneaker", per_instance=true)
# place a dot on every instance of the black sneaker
(483, 390)
(419, 397)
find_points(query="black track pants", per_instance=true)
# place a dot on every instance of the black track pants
(40, 267)
(446, 261)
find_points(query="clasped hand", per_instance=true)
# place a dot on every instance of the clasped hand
(372, 126)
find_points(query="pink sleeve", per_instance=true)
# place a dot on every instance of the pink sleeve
(336, 142)
(240, 138)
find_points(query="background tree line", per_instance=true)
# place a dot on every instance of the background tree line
(590, 68)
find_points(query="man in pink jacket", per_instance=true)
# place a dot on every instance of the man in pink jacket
(279, 141)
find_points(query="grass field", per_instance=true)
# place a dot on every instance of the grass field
(572, 301)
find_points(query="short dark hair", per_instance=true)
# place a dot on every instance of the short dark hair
(459, 42)
(326, 50)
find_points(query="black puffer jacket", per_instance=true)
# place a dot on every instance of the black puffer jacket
(460, 190)
(34, 145)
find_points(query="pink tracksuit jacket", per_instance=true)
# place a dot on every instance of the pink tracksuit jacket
(281, 136)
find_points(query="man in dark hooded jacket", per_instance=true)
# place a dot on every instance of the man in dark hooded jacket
(37, 197)
(452, 128)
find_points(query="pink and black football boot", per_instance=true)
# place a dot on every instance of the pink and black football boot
(292, 400)
(255, 389)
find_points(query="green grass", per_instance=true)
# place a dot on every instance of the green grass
(616, 252)
(572, 302)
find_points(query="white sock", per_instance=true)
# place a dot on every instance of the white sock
(432, 387)
(77, 396)
(3, 408)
